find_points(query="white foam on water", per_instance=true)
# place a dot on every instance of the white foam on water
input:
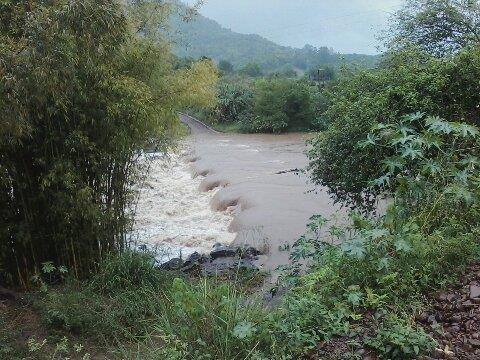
(173, 215)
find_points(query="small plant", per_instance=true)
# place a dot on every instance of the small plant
(128, 271)
(50, 274)
(396, 339)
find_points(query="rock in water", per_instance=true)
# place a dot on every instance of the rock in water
(173, 264)
(223, 252)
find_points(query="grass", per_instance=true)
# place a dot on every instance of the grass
(233, 127)
(149, 313)
(365, 292)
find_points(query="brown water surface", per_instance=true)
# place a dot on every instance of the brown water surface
(271, 203)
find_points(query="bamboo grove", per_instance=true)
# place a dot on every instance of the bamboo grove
(84, 86)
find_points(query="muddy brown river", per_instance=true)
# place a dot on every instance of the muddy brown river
(231, 188)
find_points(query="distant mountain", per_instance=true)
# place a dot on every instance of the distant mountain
(202, 36)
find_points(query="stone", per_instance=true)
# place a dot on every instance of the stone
(223, 252)
(474, 342)
(249, 252)
(194, 261)
(196, 258)
(173, 264)
(456, 318)
(452, 297)
(455, 329)
(474, 292)
(442, 297)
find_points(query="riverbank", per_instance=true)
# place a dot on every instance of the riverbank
(147, 314)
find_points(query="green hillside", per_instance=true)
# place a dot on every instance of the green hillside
(202, 36)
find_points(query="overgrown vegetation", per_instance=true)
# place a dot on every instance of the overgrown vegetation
(146, 313)
(81, 93)
(273, 104)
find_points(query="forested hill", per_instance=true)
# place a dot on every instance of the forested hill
(202, 36)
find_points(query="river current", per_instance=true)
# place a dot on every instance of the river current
(230, 189)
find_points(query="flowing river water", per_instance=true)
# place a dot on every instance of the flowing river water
(230, 189)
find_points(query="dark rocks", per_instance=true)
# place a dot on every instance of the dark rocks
(223, 252)
(194, 261)
(474, 342)
(221, 260)
(173, 264)
(454, 319)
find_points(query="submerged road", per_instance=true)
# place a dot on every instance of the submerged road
(271, 203)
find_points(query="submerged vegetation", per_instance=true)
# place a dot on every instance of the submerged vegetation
(75, 112)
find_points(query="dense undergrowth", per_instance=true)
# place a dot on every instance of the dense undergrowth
(273, 104)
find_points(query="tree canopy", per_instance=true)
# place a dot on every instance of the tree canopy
(438, 26)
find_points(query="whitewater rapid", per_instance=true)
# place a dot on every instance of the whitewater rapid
(172, 215)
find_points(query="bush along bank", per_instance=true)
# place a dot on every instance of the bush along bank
(266, 105)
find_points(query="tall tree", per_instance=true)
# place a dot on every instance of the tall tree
(438, 26)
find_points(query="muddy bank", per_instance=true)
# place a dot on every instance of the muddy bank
(260, 185)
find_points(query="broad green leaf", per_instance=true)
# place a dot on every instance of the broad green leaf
(244, 330)
(465, 130)
(412, 153)
(402, 245)
(393, 163)
(438, 125)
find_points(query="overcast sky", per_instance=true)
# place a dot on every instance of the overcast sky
(346, 25)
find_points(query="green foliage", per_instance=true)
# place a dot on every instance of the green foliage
(252, 70)
(406, 83)
(130, 271)
(280, 105)
(81, 93)
(225, 66)
(322, 73)
(235, 101)
(396, 339)
(271, 105)
(381, 266)
(431, 167)
(385, 265)
(439, 27)
(130, 300)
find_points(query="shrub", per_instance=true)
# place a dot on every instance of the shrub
(396, 339)
(128, 271)
(405, 83)
(280, 105)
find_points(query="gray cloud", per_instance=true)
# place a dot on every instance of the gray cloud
(345, 25)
